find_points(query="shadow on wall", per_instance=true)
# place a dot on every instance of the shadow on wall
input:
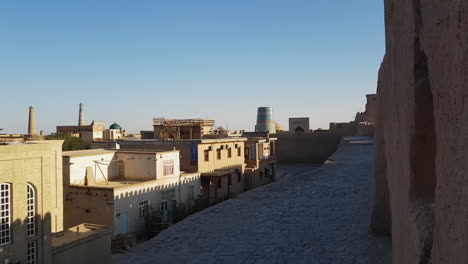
(98, 205)
(159, 210)
(228, 167)
(16, 251)
(309, 148)
(152, 189)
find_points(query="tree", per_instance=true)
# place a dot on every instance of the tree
(155, 222)
(69, 142)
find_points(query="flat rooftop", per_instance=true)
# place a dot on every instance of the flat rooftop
(204, 140)
(77, 233)
(261, 139)
(93, 152)
(145, 151)
(87, 152)
(217, 173)
(160, 121)
(20, 142)
(189, 173)
(124, 183)
(112, 184)
(16, 141)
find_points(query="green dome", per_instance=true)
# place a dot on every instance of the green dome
(115, 126)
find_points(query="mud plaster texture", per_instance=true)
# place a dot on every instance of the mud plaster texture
(421, 165)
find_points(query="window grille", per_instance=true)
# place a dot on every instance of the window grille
(142, 208)
(32, 253)
(5, 202)
(168, 167)
(31, 205)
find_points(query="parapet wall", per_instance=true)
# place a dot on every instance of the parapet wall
(343, 128)
(306, 148)
(365, 128)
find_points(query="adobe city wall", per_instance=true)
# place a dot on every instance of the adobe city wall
(421, 165)
(307, 148)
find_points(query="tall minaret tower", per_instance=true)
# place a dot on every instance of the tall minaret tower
(81, 121)
(32, 121)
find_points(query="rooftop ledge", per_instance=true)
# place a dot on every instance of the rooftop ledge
(78, 234)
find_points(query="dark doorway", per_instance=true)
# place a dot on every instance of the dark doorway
(299, 130)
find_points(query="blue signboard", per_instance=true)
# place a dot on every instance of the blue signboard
(253, 151)
(194, 154)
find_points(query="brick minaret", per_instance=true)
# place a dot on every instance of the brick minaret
(81, 121)
(32, 122)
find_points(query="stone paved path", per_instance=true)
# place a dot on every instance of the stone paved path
(318, 216)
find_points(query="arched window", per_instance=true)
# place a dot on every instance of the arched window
(31, 203)
(299, 130)
(5, 215)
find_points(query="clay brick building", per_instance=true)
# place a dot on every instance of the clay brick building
(182, 128)
(31, 210)
(28, 210)
(89, 133)
(299, 125)
(114, 188)
(260, 159)
(220, 161)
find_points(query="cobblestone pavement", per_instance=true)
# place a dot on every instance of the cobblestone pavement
(318, 216)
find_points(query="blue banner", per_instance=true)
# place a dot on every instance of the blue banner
(194, 154)
(253, 151)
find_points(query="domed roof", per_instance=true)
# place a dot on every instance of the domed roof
(278, 127)
(115, 126)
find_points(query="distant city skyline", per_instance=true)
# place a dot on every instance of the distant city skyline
(128, 62)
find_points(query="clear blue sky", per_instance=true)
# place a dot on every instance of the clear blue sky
(130, 61)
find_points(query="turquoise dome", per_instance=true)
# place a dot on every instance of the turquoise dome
(115, 126)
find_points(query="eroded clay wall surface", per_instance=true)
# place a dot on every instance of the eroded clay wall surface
(424, 115)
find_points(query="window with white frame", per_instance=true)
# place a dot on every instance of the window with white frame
(164, 207)
(142, 208)
(31, 255)
(31, 205)
(168, 167)
(166, 197)
(5, 203)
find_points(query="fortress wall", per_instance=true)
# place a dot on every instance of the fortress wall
(422, 147)
(371, 107)
(307, 148)
(343, 128)
(365, 129)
